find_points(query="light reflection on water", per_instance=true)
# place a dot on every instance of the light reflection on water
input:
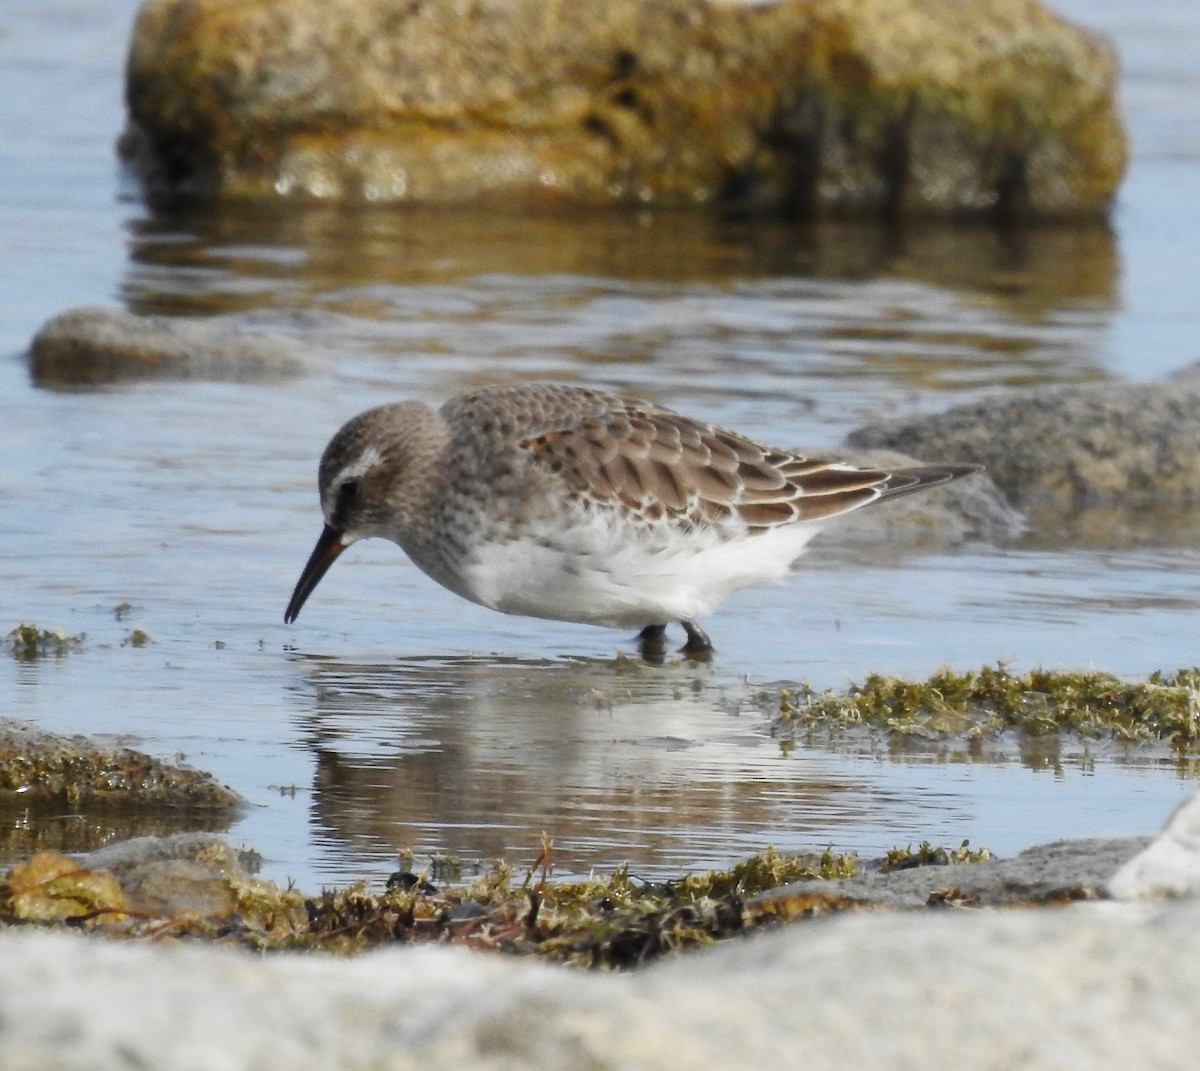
(473, 757)
(850, 321)
(395, 716)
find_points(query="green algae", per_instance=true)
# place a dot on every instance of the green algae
(612, 922)
(137, 637)
(925, 854)
(616, 921)
(28, 643)
(1164, 709)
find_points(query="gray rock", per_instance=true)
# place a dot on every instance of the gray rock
(213, 851)
(1065, 870)
(891, 106)
(188, 874)
(98, 345)
(1133, 444)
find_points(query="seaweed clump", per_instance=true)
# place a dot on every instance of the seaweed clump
(28, 643)
(1165, 708)
(612, 922)
(925, 854)
(615, 922)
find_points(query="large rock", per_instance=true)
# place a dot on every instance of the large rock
(1131, 444)
(859, 105)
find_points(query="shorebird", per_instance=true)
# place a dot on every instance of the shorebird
(573, 504)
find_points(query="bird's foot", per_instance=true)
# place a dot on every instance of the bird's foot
(652, 644)
(699, 647)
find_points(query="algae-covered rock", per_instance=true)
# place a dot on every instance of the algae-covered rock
(28, 643)
(49, 887)
(38, 767)
(199, 879)
(975, 705)
(193, 883)
(902, 106)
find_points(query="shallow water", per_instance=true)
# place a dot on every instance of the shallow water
(393, 715)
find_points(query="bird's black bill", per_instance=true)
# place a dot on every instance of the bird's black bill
(324, 554)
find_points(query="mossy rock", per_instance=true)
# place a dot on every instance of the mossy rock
(876, 106)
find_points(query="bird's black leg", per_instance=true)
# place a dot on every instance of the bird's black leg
(698, 646)
(652, 644)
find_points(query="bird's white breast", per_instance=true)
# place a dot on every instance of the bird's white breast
(604, 571)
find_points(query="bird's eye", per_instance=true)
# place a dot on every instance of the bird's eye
(347, 496)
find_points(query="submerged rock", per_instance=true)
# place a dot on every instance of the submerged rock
(897, 106)
(98, 345)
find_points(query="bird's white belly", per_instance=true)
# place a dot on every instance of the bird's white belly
(624, 577)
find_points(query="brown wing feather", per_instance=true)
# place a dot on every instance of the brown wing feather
(660, 465)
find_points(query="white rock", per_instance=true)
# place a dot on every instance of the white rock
(1052, 989)
(1170, 866)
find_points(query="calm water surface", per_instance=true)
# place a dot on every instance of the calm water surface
(394, 716)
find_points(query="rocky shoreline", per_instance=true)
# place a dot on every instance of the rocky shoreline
(1103, 983)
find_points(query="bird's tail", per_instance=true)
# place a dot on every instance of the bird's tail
(918, 477)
